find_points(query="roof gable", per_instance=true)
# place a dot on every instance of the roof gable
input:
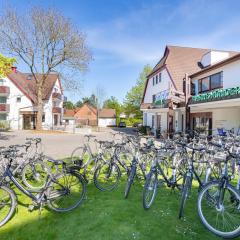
(107, 113)
(181, 60)
(28, 87)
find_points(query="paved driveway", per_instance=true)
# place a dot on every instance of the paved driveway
(56, 145)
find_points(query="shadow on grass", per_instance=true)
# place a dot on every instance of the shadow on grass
(107, 215)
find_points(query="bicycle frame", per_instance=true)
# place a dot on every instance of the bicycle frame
(38, 199)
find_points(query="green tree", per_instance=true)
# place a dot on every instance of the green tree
(133, 99)
(79, 103)
(113, 103)
(92, 100)
(6, 65)
(68, 105)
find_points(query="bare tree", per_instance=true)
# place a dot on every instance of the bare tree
(100, 95)
(45, 41)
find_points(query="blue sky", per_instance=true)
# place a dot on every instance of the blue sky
(124, 35)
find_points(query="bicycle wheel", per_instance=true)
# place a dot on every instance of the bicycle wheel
(34, 175)
(130, 181)
(66, 192)
(80, 156)
(106, 176)
(186, 189)
(150, 189)
(219, 209)
(7, 204)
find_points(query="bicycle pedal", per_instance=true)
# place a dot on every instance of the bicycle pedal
(31, 208)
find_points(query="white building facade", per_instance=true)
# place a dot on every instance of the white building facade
(18, 103)
(216, 101)
(168, 104)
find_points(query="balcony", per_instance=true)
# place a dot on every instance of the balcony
(57, 96)
(4, 108)
(57, 110)
(4, 91)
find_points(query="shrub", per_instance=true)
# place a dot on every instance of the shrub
(4, 125)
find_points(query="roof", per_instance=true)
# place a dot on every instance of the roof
(28, 87)
(68, 113)
(217, 65)
(178, 61)
(107, 113)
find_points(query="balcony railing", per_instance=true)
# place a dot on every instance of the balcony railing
(4, 108)
(57, 110)
(4, 91)
(57, 96)
(216, 95)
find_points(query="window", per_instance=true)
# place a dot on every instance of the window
(2, 81)
(89, 113)
(43, 118)
(156, 79)
(153, 98)
(210, 83)
(3, 99)
(18, 99)
(153, 81)
(153, 121)
(205, 84)
(160, 77)
(216, 80)
(3, 117)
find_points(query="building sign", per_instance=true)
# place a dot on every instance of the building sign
(216, 95)
(161, 98)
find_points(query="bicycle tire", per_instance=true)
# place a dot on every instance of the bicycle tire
(207, 190)
(39, 172)
(12, 198)
(79, 160)
(151, 178)
(185, 193)
(130, 181)
(107, 176)
(56, 187)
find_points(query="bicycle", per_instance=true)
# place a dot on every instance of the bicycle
(62, 192)
(218, 203)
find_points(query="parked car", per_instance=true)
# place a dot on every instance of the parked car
(122, 125)
(137, 124)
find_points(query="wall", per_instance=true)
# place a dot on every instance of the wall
(226, 118)
(213, 57)
(148, 120)
(48, 105)
(87, 114)
(231, 75)
(159, 87)
(16, 120)
(104, 122)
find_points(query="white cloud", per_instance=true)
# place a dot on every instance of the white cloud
(140, 36)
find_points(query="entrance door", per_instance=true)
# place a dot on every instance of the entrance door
(159, 122)
(55, 120)
(27, 122)
(202, 122)
(170, 124)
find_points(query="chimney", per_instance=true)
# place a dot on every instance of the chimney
(14, 69)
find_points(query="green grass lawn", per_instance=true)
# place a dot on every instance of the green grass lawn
(107, 215)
